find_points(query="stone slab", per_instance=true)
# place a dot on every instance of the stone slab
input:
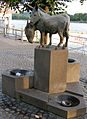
(11, 83)
(49, 102)
(34, 97)
(50, 69)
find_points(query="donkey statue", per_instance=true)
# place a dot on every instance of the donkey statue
(46, 23)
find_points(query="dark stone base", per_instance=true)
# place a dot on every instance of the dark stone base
(49, 102)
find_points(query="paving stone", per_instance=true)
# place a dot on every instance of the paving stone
(26, 117)
(7, 109)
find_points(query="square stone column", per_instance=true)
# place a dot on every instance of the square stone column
(50, 69)
(73, 72)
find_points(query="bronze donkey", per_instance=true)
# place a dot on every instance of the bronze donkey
(46, 23)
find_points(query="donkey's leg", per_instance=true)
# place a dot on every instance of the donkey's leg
(50, 38)
(46, 38)
(42, 39)
(67, 37)
(61, 39)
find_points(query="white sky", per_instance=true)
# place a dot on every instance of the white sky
(76, 7)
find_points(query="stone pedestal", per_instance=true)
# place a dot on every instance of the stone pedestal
(50, 69)
(11, 83)
(73, 72)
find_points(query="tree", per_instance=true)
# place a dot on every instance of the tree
(54, 6)
(81, 17)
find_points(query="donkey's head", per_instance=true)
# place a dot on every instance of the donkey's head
(35, 15)
(29, 31)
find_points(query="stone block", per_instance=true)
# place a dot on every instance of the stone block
(11, 83)
(50, 69)
(73, 71)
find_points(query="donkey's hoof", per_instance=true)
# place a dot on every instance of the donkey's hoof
(64, 46)
(37, 46)
(48, 46)
(59, 47)
(56, 47)
(40, 46)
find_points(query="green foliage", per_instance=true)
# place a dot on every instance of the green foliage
(8, 1)
(82, 1)
(55, 6)
(79, 17)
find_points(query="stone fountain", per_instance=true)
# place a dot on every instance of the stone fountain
(53, 85)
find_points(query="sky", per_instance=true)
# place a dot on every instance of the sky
(76, 7)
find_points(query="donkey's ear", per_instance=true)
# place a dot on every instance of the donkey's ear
(36, 7)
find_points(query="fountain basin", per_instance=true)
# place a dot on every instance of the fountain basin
(68, 100)
(71, 60)
(20, 72)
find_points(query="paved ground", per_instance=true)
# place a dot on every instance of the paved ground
(17, 54)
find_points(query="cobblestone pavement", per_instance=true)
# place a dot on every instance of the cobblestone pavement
(17, 54)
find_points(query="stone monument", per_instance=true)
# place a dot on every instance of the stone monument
(54, 83)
